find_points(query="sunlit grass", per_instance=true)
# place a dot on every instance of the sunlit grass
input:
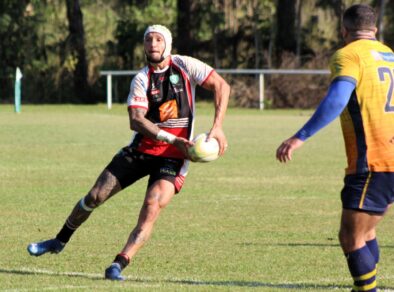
(242, 222)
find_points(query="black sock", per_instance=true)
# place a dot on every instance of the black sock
(65, 234)
(122, 259)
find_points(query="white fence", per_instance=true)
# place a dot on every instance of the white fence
(259, 72)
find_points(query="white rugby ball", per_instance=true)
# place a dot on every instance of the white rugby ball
(203, 150)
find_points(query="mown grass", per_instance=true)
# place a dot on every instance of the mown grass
(243, 222)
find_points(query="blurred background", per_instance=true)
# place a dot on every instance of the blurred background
(61, 46)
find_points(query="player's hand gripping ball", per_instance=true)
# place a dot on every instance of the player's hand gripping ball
(203, 150)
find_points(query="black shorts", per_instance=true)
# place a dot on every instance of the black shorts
(129, 165)
(371, 191)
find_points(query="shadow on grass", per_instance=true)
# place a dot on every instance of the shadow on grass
(256, 284)
(302, 244)
(246, 284)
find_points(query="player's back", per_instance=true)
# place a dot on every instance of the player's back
(368, 120)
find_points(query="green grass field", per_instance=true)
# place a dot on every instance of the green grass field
(242, 223)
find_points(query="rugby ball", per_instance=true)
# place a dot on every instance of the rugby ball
(203, 150)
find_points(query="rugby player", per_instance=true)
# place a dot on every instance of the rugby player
(361, 92)
(161, 107)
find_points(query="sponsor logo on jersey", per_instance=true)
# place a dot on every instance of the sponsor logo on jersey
(383, 56)
(168, 110)
(155, 91)
(178, 88)
(168, 171)
(388, 57)
(139, 99)
(174, 78)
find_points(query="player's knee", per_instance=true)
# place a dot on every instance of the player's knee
(345, 243)
(342, 237)
(349, 240)
(152, 205)
(84, 205)
(344, 233)
(94, 199)
(152, 208)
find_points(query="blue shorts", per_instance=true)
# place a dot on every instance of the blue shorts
(371, 191)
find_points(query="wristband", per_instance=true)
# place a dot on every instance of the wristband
(166, 137)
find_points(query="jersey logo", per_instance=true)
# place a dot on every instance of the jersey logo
(155, 91)
(174, 79)
(383, 56)
(139, 99)
(167, 171)
(168, 110)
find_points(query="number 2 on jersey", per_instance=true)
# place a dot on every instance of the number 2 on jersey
(382, 72)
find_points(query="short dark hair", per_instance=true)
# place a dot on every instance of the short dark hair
(359, 17)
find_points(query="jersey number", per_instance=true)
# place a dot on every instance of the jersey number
(382, 72)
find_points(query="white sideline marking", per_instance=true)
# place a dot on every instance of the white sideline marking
(48, 272)
(74, 274)
(49, 288)
(143, 281)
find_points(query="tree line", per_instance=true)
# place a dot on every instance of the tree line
(61, 46)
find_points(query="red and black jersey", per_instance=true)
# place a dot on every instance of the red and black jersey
(169, 97)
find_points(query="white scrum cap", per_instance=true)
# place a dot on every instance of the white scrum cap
(165, 32)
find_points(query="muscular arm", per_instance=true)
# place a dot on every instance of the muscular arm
(140, 124)
(221, 91)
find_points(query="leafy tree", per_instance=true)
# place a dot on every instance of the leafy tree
(18, 41)
(135, 16)
(61, 45)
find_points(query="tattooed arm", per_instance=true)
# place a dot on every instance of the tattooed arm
(140, 124)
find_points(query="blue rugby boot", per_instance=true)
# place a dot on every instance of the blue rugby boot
(51, 245)
(113, 272)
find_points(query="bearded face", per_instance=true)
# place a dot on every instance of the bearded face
(154, 45)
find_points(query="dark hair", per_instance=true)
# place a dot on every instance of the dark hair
(359, 17)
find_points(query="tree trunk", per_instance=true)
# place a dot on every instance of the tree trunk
(380, 23)
(184, 45)
(298, 32)
(253, 14)
(339, 8)
(285, 35)
(76, 47)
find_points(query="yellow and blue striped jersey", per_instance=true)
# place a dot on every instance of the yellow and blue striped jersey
(368, 120)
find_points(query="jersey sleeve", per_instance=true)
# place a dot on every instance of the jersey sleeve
(138, 92)
(332, 105)
(345, 65)
(197, 70)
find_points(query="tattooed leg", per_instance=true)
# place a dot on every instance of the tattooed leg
(106, 186)
(157, 198)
